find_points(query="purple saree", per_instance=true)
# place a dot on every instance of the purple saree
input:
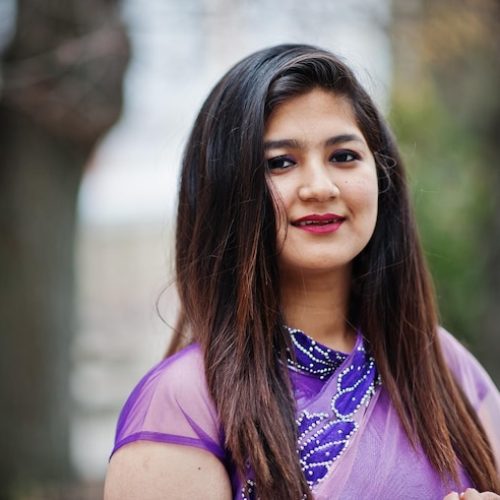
(351, 443)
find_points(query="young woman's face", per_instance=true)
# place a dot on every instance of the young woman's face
(323, 177)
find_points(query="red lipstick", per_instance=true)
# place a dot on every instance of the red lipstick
(319, 223)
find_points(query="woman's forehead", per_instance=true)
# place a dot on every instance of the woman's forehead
(317, 111)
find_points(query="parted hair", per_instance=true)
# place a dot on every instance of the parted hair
(228, 281)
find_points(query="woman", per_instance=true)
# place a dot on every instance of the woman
(314, 366)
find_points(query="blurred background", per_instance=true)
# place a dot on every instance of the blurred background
(96, 101)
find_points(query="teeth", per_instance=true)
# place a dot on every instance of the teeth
(318, 222)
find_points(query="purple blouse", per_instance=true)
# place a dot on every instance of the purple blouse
(351, 442)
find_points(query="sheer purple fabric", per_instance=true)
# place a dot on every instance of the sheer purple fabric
(171, 405)
(351, 442)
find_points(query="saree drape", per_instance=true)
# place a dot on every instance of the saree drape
(350, 440)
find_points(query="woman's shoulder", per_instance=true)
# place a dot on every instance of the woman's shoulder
(468, 372)
(476, 385)
(180, 376)
(172, 404)
(169, 406)
(183, 370)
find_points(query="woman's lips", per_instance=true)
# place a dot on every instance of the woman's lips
(319, 223)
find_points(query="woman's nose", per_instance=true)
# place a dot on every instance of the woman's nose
(317, 183)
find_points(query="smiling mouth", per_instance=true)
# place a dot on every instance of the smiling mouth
(319, 223)
(323, 222)
(318, 220)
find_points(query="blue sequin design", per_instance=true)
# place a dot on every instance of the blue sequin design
(248, 491)
(324, 436)
(311, 357)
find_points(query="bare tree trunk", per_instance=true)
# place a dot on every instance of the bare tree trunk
(37, 214)
(62, 91)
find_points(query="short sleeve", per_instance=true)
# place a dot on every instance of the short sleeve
(171, 404)
(469, 374)
(477, 386)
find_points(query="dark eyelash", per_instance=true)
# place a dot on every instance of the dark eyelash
(277, 162)
(354, 156)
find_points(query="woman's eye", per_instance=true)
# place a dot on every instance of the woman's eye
(279, 162)
(344, 156)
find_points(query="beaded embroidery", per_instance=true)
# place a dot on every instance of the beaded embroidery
(323, 437)
(248, 488)
(311, 357)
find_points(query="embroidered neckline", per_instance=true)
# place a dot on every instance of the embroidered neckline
(324, 436)
(327, 428)
(312, 357)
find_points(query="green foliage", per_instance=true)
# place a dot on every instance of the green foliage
(447, 180)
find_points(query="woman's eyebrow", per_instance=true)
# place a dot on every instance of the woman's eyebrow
(339, 139)
(296, 144)
(283, 143)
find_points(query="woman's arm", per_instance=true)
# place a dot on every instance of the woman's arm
(144, 470)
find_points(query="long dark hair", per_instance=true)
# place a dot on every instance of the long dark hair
(228, 281)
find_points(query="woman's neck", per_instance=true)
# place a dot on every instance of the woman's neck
(319, 306)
